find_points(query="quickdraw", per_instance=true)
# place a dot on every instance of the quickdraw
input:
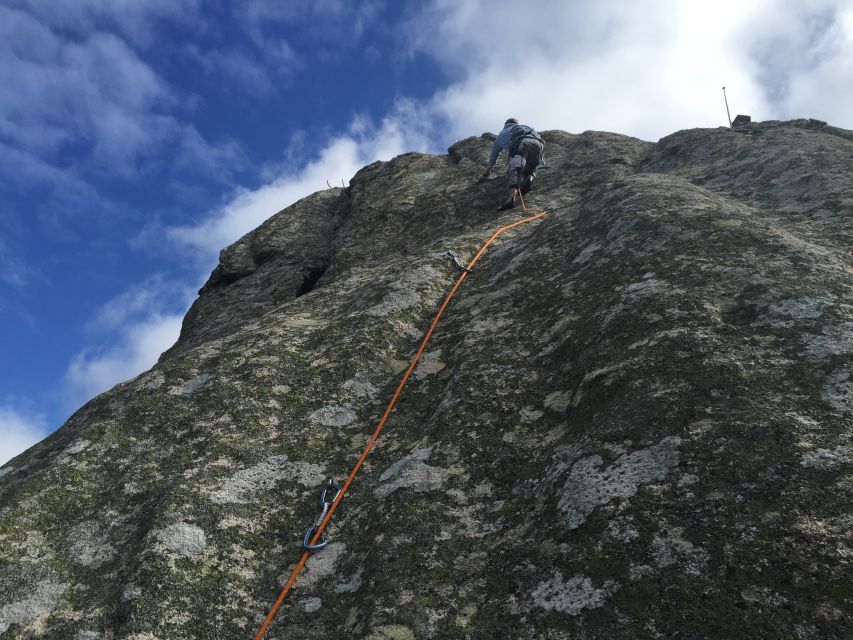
(331, 491)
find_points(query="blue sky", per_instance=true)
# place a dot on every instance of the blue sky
(139, 138)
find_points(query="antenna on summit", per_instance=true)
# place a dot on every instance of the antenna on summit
(727, 107)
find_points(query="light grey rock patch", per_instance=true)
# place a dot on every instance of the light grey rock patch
(528, 415)
(827, 458)
(558, 401)
(588, 486)
(564, 457)
(640, 571)
(391, 632)
(801, 309)
(41, 602)
(838, 390)
(753, 593)
(76, 447)
(422, 275)
(571, 596)
(429, 364)
(89, 545)
(350, 586)
(151, 381)
(244, 486)
(586, 254)
(649, 287)
(413, 473)
(687, 479)
(190, 386)
(87, 635)
(622, 530)
(311, 605)
(833, 341)
(184, 539)
(682, 553)
(130, 592)
(333, 416)
(360, 386)
(394, 302)
(322, 565)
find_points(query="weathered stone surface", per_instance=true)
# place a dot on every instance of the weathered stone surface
(635, 419)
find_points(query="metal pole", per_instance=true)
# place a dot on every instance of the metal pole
(727, 107)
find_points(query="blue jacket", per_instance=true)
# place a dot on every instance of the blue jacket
(501, 143)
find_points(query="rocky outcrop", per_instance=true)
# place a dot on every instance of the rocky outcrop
(634, 420)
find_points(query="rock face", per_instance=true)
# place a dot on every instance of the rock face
(634, 420)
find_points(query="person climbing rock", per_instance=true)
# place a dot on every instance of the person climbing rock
(524, 154)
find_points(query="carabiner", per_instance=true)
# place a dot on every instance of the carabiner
(306, 541)
(325, 501)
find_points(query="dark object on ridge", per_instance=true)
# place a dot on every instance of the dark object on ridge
(741, 120)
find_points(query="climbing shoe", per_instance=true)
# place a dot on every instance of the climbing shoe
(526, 184)
(506, 206)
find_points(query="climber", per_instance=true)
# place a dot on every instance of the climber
(524, 153)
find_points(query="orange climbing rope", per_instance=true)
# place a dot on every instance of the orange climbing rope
(318, 531)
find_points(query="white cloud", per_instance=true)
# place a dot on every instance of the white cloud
(136, 20)
(136, 327)
(645, 68)
(139, 346)
(18, 432)
(140, 300)
(93, 98)
(823, 87)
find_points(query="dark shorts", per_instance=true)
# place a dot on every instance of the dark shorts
(524, 162)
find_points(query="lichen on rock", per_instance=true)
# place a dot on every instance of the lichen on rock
(571, 596)
(589, 486)
(40, 602)
(412, 472)
(183, 539)
(245, 485)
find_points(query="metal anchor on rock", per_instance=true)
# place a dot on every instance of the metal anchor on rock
(330, 493)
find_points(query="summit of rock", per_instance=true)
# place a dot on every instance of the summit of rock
(633, 421)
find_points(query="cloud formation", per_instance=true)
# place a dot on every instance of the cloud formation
(90, 100)
(645, 68)
(136, 327)
(18, 432)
